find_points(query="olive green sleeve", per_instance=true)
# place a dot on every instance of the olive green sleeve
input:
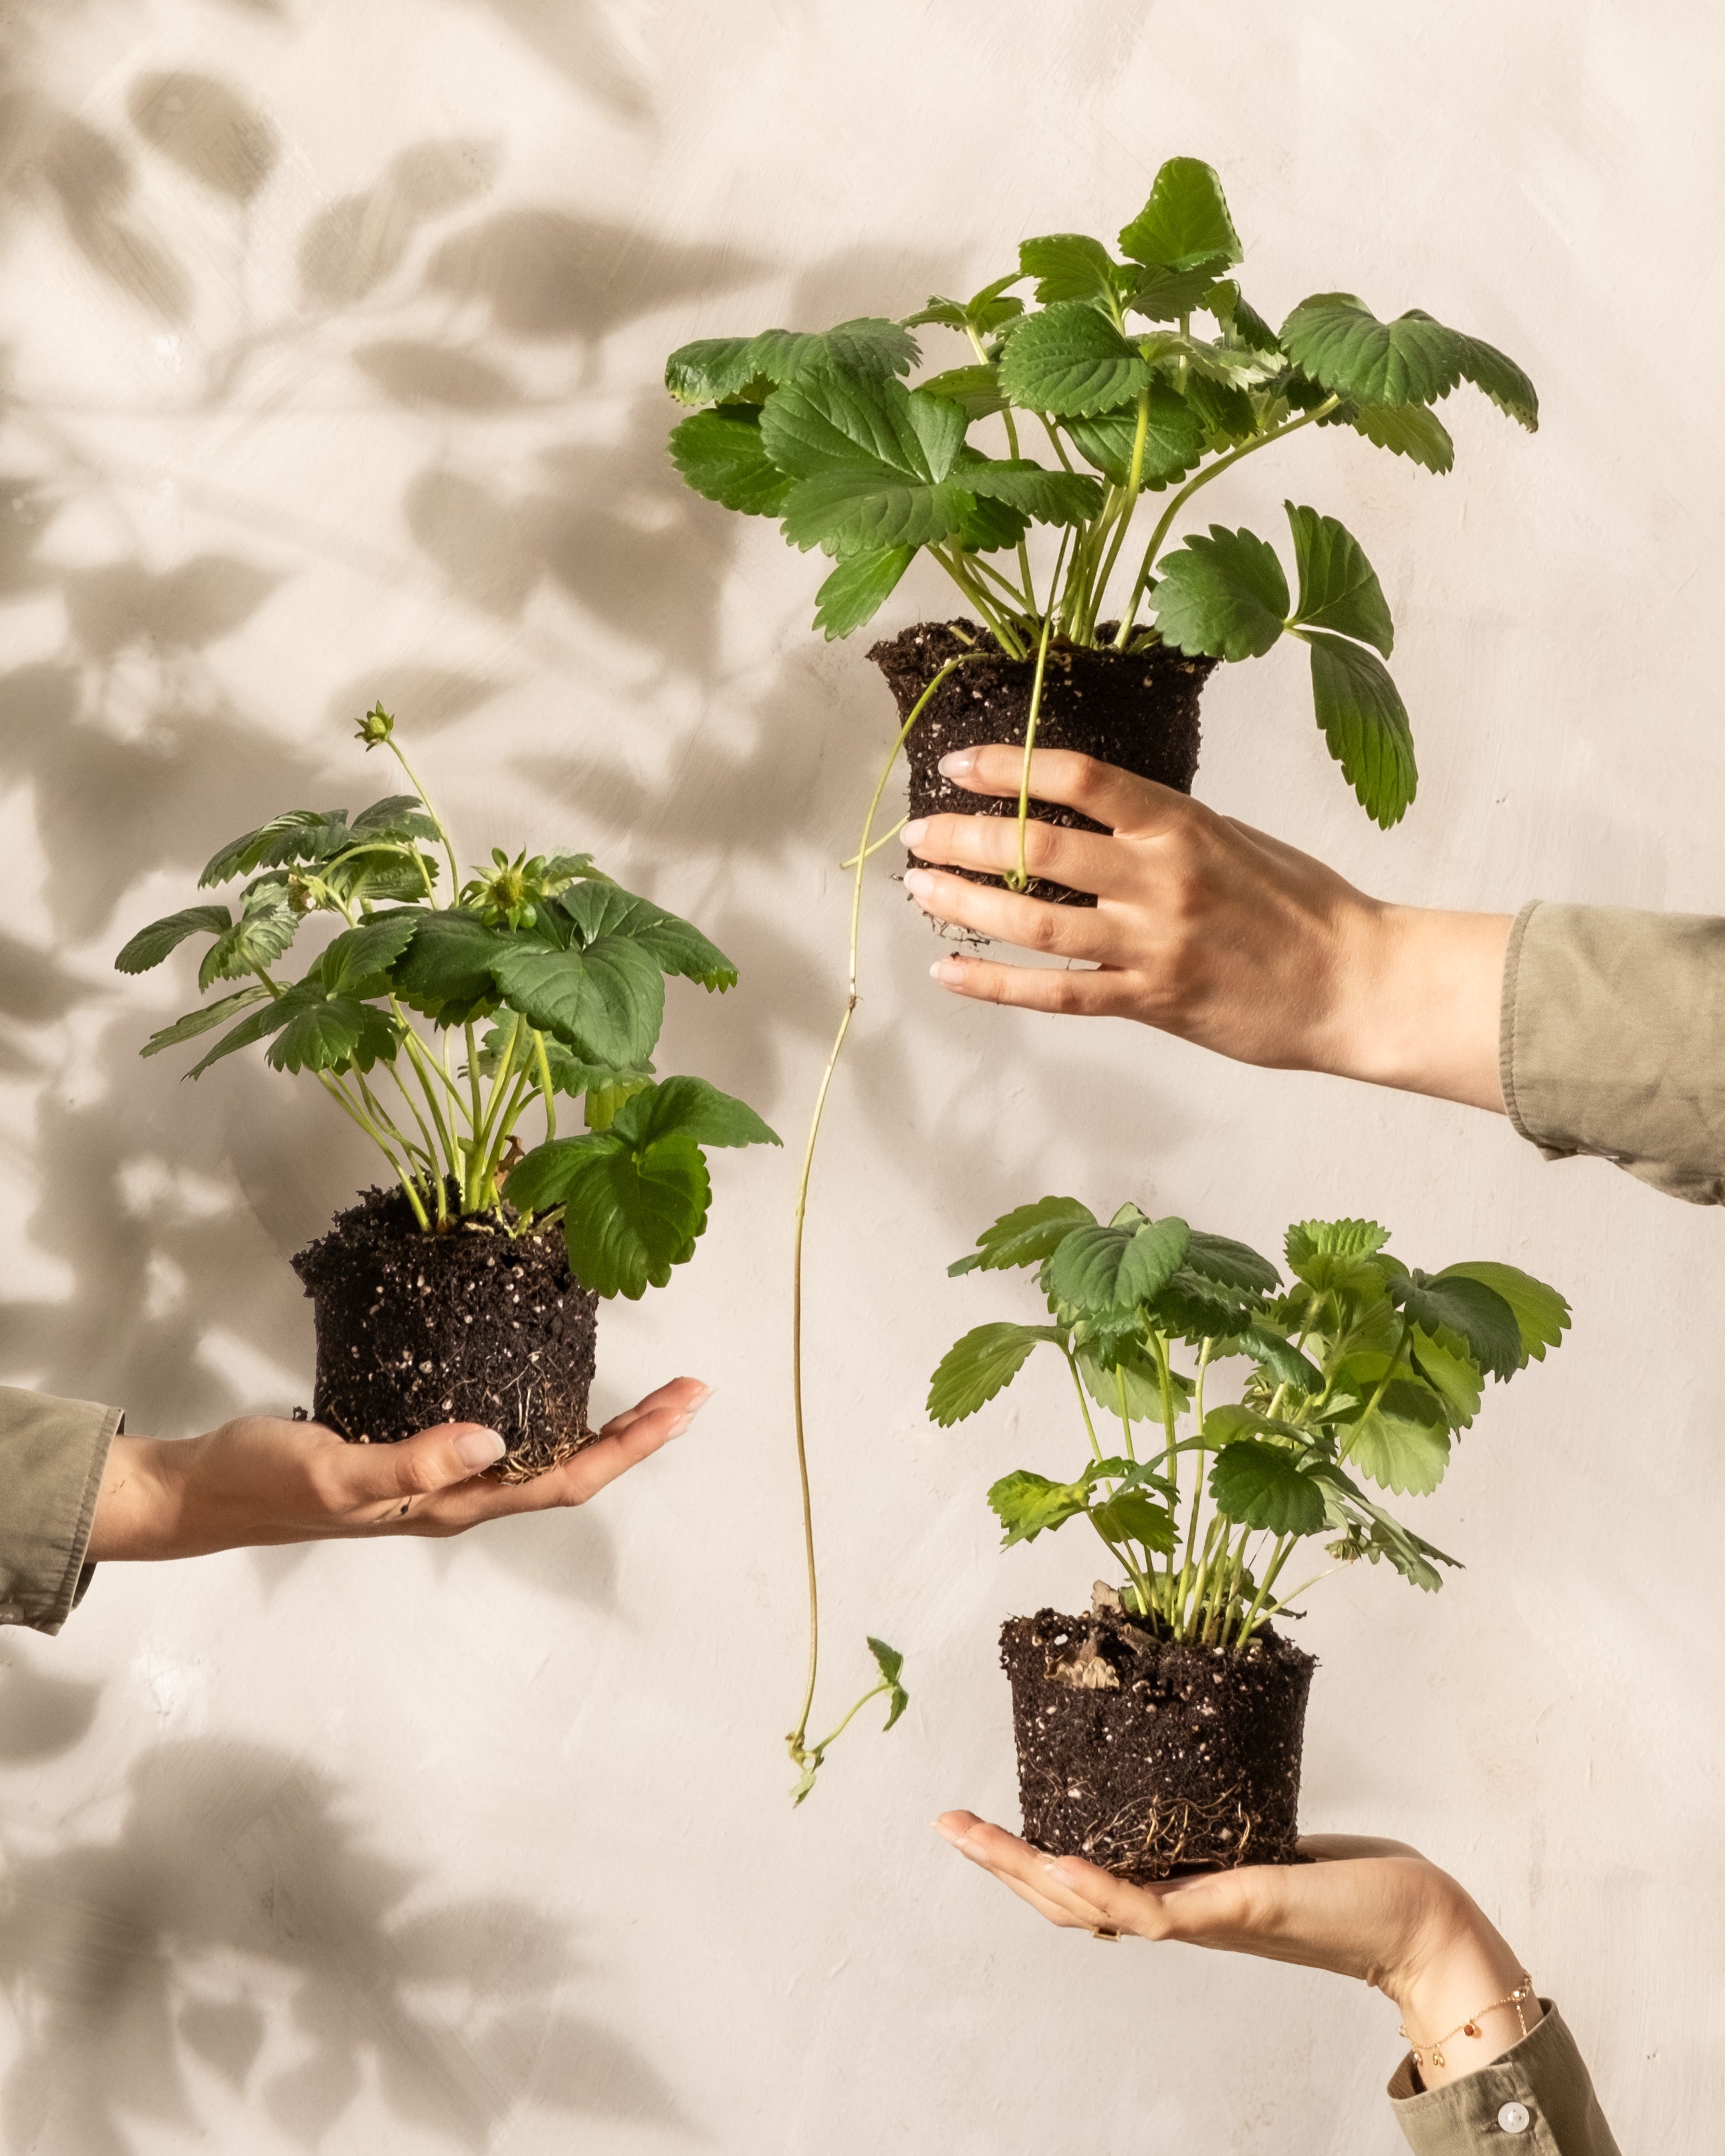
(1613, 1041)
(52, 1455)
(1536, 2100)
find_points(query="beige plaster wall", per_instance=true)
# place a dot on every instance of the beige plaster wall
(424, 1848)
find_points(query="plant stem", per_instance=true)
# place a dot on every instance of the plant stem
(546, 1089)
(1016, 879)
(1203, 479)
(1283, 1548)
(337, 1092)
(1204, 1360)
(443, 829)
(885, 839)
(797, 1740)
(1090, 1427)
(817, 1749)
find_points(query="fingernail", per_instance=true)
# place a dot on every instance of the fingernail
(959, 764)
(479, 1448)
(688, 1413)
(918, 882)
(912, 833)
(945, 969)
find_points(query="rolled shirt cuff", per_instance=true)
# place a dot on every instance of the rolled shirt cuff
(52, 1455)
(1536, 2099)
(1612, 1041)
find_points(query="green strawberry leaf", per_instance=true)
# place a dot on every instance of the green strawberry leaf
(1117, 1267)
(1185, 225)
(1338, 587)
(676, 945)
(332, 1033)
(1028, 1505)
(1340, 344)
(266, 927)
(1068, 265)
(975, 390)
(720, 454)
(1403, 1443)
(204, 1019)
(974, 1369)
(1542, 1315)
(154, 943)
(445, 972)
(859, 586)
(1050, 497)
(1169, 295)
(890, 1664)
(1474, 1313)
(298, 836)
(1230, 1264)
(1025, 1236)
(1129, 1516)
(1407, 430)
(715, 369)
(1501, 379)
(871, 461)
(606, 1001)
(1070, 361)
(1451, 1372)
(629, 1212)
(1281, 1359)
(691, 1108)
(358, 962)
(1174, 440)
(1261, 1485)
(1225, 595)
(1365, 723)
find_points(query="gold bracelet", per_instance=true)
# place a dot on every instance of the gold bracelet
(1471, 2027)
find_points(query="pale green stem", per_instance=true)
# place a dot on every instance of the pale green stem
(885, 839)
(1016, 879)
(1203, 479)
(443, 829)
(1203, 1362)
(542, 1064)
(797, 1740)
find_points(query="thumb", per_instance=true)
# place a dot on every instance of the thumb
(390, 1476)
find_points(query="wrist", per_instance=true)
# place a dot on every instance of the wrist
(140, 1506)
(1455, 1994)
(1415, 1001)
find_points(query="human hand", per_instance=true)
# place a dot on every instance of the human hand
(263, 1481)
(1212, 930)
(1375, 1910)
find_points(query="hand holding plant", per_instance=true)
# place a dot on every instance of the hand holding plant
(1362, 1372)
(1373, 1910)
(1220, 934)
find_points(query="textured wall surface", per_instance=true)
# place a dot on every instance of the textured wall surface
(333, 337)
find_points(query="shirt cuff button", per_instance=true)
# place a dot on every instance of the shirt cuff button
(1515, 2118)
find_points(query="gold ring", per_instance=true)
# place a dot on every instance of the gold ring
(1105, 1931)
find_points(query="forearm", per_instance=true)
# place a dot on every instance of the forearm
(140, 1511)
(1414, 1001)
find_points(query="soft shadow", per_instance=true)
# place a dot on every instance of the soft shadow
(40, 1716)
(576, 37)
(240, 1910)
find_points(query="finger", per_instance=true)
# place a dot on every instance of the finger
(1118, 799)
(1082, 860)
(1041, 1903)
(1099, 994)
(1066, 931)
(624, 1442)
(685, 1395)
(1065, 1883)
(365, 1483)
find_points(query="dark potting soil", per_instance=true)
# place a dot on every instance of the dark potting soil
(1151, 1756)
(474, 1326)
(1138, 711)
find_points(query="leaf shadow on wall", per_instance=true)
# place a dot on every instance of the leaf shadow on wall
(240, 1927)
